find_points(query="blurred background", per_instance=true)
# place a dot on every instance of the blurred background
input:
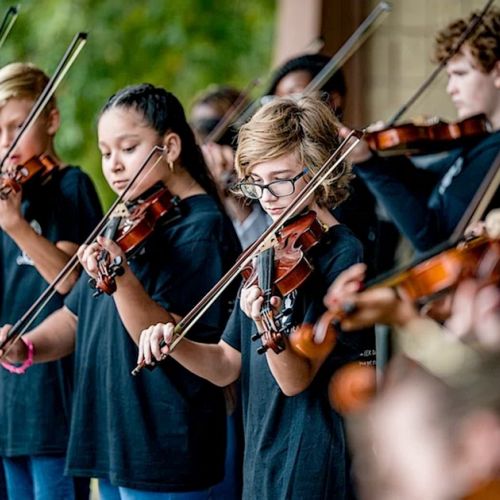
(185, 45)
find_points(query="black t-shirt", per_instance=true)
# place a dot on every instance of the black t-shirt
(427, 205)
(295, 447)
(35, 407)
(164, 429)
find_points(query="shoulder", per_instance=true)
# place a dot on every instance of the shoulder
(201, 219)
(489, 142)
(72, 181)
(338, 250)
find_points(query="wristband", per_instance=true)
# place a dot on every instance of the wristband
(20, 369)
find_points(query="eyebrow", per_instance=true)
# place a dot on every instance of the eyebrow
(123, 137)
(279, 172)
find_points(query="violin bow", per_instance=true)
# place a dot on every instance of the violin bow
(351, 45)
(232, 113)
(479, 203)
(358, 37)
(465, 35)
(472, 214)
(7, 23)
(76, 45)
(22, 325)
(240, 107)
(188, 321)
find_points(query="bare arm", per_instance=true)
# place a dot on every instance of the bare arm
(53, 339)
(136, 308)
(218, 363)
(293, 372)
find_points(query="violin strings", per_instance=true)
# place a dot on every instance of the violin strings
(189, 320)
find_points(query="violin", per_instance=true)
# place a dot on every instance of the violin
(36, 169)
(432, 136)
(478, 257)
(22, 324)
(282, 269)
(413, 138)
(190, 319)
(130, 232)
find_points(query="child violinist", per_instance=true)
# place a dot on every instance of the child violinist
(41, 227)
(294, 442)
(159, 435)
(426, 205)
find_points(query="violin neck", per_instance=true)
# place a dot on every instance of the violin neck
(265, 273)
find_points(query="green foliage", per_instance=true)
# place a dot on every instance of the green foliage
(183, 45)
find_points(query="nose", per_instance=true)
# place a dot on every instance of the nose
(451, 87)
(6, 138)
(114, 163)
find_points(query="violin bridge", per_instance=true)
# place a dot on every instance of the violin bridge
(269, 242)
(121, 210)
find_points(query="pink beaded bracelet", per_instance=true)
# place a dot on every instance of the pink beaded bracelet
(20, 369)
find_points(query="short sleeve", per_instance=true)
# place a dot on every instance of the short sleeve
(78, 205)
(233, 329)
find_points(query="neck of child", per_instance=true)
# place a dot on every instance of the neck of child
(181, 184)
(494, 119)
(50, 151)
(324, 215)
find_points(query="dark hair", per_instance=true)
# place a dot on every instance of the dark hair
(313, 64)
(163, 112)
(219, 98)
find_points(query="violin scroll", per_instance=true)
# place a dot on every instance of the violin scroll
(37, 168)
(280, 270)
(107, 272)
(130, 233)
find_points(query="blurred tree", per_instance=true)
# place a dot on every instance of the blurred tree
(183, 45)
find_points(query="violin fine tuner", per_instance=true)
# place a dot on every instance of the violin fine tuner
(106, 283)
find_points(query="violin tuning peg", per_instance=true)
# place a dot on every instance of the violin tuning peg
(92, 283)
(262, 349)
(256, 336)
(118, 271)
(118, 260)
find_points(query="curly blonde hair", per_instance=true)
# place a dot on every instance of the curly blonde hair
(304, 126)
(484, 43)
(23, 81)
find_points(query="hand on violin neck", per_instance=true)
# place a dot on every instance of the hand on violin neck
(379, 305)
(252, 300)
(90, 255)
(347, 283)
(10, 212)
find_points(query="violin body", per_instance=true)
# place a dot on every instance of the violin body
(144, 217)
(130, 233)
(478, 258)
(438, 274)
(290, 269)
(36, 169)
(410, 138)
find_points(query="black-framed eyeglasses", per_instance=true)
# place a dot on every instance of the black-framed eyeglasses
(278, 188)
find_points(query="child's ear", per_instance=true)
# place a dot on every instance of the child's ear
(53, 121)
(496, 74)
(173, 145)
